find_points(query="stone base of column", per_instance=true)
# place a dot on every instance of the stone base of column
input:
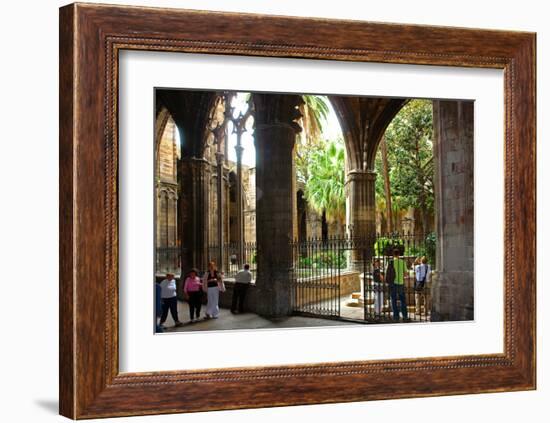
(274, 296)
(452, 296)
(360, 259)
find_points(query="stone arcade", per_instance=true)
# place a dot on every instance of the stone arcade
(203, 199)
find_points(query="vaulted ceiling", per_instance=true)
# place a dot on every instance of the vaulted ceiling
(363, 121)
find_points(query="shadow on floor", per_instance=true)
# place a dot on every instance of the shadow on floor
(229, 321)
(50, 405)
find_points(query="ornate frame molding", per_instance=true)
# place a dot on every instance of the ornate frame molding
(91, 37)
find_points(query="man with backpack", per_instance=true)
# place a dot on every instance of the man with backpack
(395, 277)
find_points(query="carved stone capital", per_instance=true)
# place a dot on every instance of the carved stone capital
(357, 175)
(277, 109)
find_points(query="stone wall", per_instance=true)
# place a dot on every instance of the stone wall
(349, 282)
(453, 283)
(166, 187)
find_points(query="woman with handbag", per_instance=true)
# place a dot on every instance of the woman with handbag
(212, 284)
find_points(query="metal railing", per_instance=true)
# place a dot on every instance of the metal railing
(168, 260)
(231, 263)
(334, 277)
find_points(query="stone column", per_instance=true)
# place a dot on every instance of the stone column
(275, 134)
(453, 282)
(361, 213)
(220, 208)
(194, 209)
(226, 203)
(239, 194)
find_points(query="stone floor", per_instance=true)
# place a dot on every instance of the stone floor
(228, 321)
(349, 309)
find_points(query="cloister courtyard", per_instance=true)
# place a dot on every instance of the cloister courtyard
(314, 193)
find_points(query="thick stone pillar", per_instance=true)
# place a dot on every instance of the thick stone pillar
(453, 282)
(361, 213)
(193, 211)
(275, 134)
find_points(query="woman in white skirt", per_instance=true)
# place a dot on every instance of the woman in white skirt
(211, 282)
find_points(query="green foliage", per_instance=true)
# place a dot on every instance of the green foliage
(417, 247)
(384, 246)
(410, 154)
(325, 187)
(314, 112)
(324, 259)
(320, 163)
(430, 243)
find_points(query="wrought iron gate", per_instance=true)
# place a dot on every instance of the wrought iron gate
(315, 283)
(334, 278)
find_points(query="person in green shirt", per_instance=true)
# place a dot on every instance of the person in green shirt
(395, 277)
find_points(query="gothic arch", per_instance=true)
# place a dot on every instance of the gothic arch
(191, 112)
(161, 120)
(363, 121)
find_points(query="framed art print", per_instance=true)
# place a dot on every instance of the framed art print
(263, 211)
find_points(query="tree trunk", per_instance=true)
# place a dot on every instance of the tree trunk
(425, 213)
(387, 190)
(324, 226)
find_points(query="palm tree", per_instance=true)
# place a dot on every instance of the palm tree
(314, 111)
(325, 187)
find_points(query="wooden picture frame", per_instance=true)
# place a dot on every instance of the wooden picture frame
(90, 38)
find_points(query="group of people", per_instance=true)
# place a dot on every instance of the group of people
(394, 277)
(211, 283)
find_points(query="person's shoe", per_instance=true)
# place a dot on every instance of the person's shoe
(178, 324)
(233, 312)
(207, 317)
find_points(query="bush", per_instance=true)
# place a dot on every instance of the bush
(305, 262)
(411, 248)
(384, 246)
(328, 259)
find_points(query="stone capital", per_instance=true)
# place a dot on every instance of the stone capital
(277, 125)
(277, 111)
(357, 175)
(239, 150)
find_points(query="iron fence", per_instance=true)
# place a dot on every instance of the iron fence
(338, 277)
(231, 263)
(167, 260)
(317, 267)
